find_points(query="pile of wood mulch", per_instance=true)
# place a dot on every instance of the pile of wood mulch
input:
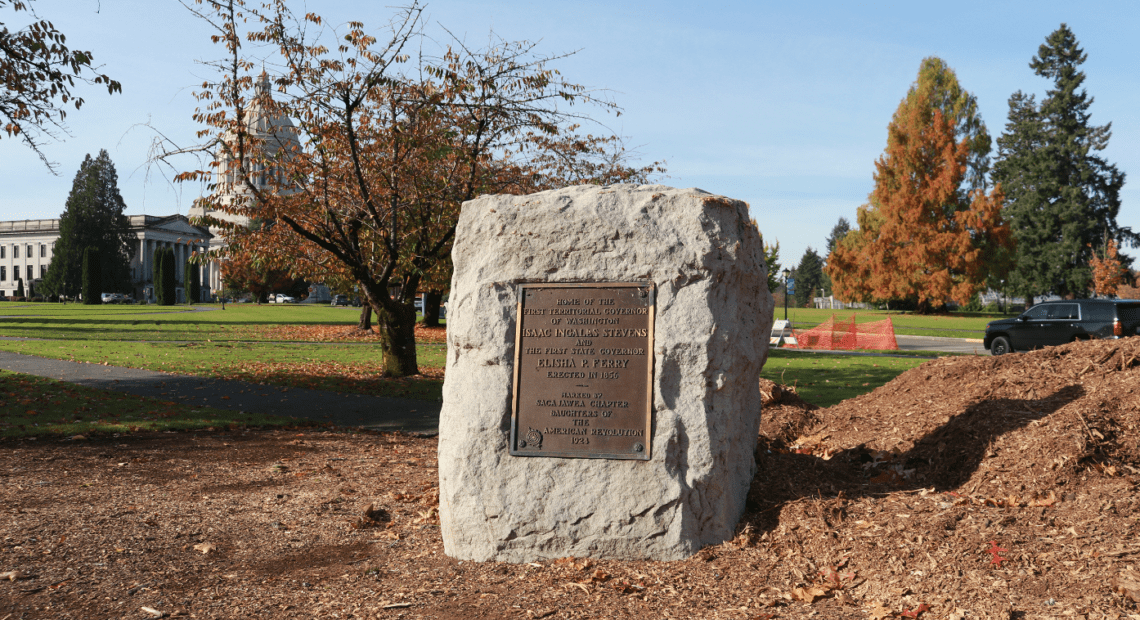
(969, 487)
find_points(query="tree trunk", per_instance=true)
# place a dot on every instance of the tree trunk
(365, 323)
(398, 339)
(431, 307)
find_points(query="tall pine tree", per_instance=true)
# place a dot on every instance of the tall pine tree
(809, 278)
(92, 218)
(1061, 198)
(838, 232)
(169, 278)
(92, 272)
(192, 283)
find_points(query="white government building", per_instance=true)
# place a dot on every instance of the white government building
(274, 133)
(26, 248)
(26, 245)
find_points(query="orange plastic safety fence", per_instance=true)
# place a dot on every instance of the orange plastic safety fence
(847, 335)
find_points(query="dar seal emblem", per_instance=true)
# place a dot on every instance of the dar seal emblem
(533, 439)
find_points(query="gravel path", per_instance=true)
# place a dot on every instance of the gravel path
(353, 410)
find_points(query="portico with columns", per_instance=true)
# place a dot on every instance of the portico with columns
(175, 232)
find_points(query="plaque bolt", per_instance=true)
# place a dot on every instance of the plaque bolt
(643, 293)
(522, 444)
(638, 447)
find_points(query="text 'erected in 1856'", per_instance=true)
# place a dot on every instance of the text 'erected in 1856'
(583, 370)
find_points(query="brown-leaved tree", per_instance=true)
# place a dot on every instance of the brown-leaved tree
(1107, 271)
(39, 71)
(924, 238)
(389, 148)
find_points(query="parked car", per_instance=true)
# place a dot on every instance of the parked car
(114, 298)
(285, 299)
(339, 300)
(1056, 322)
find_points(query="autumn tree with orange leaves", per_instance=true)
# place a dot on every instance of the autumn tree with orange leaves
(389, 148)
(923, 238)
(1107, 271)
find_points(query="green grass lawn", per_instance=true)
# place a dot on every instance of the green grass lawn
(37, 406)
(236, 322)
(244, 342)
(954, 325)
(826, 380)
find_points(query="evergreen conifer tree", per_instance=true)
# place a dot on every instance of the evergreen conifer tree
(1061, 198)
(92, 217)
(92, 274)
(19, 288)
(809, 277)
(838, 232)
(169, 278)
(192, 284)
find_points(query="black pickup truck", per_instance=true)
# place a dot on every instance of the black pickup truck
(1057, 322)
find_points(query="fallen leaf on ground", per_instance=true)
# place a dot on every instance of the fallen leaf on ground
(808, 595)
(1126, 584)
(994, 550)
(878, 611)
(913, 613)
(205, 547)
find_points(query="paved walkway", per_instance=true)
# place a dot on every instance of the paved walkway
(921, 343)
(947, 345)
(352, 410)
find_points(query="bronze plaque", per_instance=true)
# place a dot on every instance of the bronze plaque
(583, 370)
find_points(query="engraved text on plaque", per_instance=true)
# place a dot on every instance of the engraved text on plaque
(583, 370)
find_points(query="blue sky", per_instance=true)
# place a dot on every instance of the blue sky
(782, 105)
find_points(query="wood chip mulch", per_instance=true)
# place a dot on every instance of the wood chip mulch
(968, 487)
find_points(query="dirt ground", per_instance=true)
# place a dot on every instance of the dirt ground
(969, 487)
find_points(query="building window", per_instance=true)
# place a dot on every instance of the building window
(43, 250)
(15, 251)
(30, 276)
(28, 254)
(43, 270)
(2, 250)
(3, 273)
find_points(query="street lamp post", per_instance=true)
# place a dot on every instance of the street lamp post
(787, 272)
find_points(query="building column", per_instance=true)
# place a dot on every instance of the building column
(151, 247)
(142, 260)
